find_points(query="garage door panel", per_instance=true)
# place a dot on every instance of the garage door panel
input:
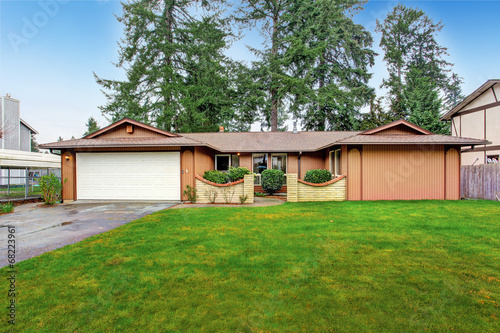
(129, 176)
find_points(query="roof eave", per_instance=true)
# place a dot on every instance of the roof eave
(469, 99)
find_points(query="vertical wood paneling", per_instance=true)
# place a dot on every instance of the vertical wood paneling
(187, 171)
(68, 175)
(398, 130)
(480, 181)
(310, 161)
(343, 159)
(121, 132)
(452, 174)
(246, 160)
(354, 174)
(403, 172)
(293, 163)
(203, 160)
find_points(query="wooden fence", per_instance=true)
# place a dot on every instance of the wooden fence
(480, 181)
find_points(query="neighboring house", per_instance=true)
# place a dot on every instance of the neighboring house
(129, 160)
(15, 145)
(478, 116)
(15, 132)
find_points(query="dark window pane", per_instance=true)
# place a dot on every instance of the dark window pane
(222, 163)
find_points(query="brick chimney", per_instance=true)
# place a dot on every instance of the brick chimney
(221, 129)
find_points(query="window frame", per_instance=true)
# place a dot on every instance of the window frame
(226, 155)
(258, 154)
(334, 166)
(279, 154)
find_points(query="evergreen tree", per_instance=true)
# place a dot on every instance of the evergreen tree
(329, 56)
(60, 138)
(34, 144)
(177, 75)
(423, 102)
(410, 46)
(270, 15)
(376, 117)
(92, 126)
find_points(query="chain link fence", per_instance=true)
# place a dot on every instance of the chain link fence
(22, 183)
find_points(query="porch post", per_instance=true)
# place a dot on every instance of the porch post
(248, 188)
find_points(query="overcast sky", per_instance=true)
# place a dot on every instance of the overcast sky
(49, 49)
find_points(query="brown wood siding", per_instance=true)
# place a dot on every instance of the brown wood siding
(343, 159)
(260, 190)
(68, 175)
(398, 130)
(127, 149)
(203, 160)
(311, 161)
(452, 174)
(403, 172)
(246, 160)
(121, 132)
(187, 171)
(354, 174)
(292, 163)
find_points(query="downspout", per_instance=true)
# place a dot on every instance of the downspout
(300, 155)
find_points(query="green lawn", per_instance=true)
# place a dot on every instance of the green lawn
(311, 267)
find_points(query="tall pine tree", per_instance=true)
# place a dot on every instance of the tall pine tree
(419, 76)
(329, 57)
(177, 74)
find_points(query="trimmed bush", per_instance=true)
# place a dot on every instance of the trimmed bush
(318, 176)
(216, 176)
(272, 180)
(236, 174)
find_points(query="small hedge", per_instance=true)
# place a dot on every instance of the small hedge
(318, 176)
(272, 180)
(216, 176)
(236, 174)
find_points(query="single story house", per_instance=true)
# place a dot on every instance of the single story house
(129, 160)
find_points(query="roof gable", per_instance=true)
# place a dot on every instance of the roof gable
(468, 102)
(399, 127)
(127, 127)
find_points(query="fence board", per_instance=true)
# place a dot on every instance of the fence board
(480, 181)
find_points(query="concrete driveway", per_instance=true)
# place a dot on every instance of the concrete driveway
(40, 230)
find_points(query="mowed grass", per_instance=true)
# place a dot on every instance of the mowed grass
(312, 267)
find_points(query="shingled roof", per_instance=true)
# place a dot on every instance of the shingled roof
(399, 132)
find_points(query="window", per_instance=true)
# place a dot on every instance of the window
(278, 162)
(492, 159)
(235, 161)
(224, 161)
(335, 162)
(259, 162)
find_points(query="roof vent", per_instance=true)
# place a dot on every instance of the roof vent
(221, 129)
(295, 127)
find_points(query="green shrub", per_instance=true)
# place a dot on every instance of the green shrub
(51, 189)
(272, 180)
(236, 174)
(216, 176)
(190, 192)
(259, 194)
(318, 176)
(6, 207)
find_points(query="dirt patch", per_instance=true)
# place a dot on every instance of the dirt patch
(24, 202)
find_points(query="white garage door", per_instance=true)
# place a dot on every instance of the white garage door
(128, 176)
